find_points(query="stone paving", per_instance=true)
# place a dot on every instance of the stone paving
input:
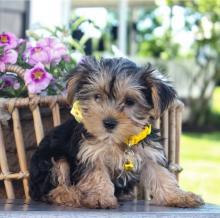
(20, 209)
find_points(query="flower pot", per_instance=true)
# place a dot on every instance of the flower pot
(23, 123)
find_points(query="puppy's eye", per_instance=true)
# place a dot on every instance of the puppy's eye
(97, 97)
(129, 102)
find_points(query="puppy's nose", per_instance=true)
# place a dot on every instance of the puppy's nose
(110, 123)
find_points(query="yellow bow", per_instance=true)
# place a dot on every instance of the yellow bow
(76, 111)
(135, 139)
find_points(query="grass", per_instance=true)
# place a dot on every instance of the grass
(200, 159)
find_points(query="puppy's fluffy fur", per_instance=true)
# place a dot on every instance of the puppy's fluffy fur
(81, 164)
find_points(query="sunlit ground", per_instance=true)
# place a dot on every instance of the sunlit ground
(200, 158)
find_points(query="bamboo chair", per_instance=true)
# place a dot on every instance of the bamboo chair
(170, 124)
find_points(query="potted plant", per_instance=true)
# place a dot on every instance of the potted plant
(32, 94)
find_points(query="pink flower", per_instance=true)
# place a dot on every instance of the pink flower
(36, 54)
(8, 57)
(21, 41)
(8, 40)
(47, 51)
(37, 78)
(67, 58)
(56, 49)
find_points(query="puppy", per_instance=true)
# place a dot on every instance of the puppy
(108, 147)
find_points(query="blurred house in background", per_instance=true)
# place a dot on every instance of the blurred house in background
(22, 15)
(119, 26)
(14, 16)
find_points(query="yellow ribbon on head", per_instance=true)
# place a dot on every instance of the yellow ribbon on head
(76, 111)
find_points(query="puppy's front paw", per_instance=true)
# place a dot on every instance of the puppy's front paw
(193, 200)
(63, 195)
(186, 200)
(108, 203)
(100, 201)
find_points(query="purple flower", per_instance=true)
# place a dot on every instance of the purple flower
(21, 41)
(55, 48)
(45, 51)
(8, 57)
(37, 78)
(67, 58)
(9, 81)
(36, 54)
(8, 40)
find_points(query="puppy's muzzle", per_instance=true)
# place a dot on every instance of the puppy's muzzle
(110, 123)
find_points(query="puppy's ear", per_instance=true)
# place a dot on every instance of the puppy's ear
(78, 76)
(72, 83)
(162, 92)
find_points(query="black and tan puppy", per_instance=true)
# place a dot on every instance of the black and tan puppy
(111, 148)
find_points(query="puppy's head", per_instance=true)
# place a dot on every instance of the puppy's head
(117, 98)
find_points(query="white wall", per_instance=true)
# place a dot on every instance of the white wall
(49, 12)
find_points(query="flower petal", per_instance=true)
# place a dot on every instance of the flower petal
(11, 40)
(34, 54)
(10, 57)
(36, 85)
(2, 66)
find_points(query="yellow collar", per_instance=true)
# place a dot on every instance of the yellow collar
(131, 141)
(129, 164)
(135, 139)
